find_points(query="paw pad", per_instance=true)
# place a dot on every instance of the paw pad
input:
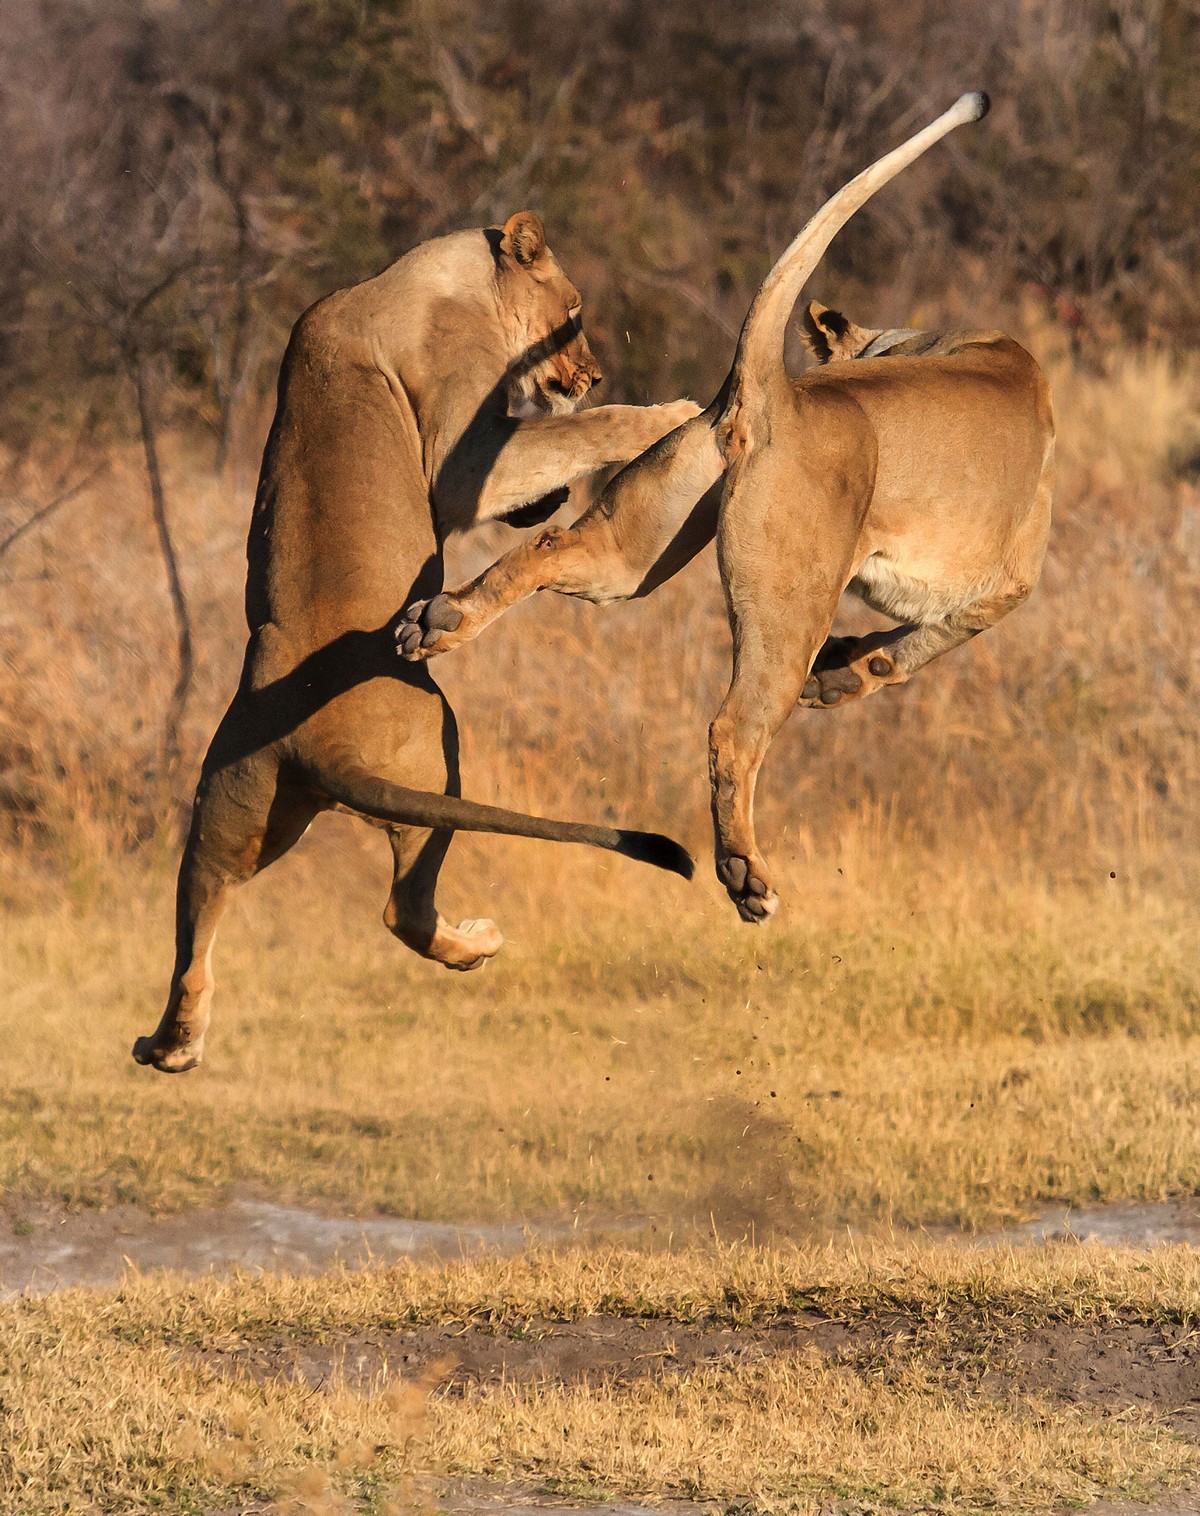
(441, 616)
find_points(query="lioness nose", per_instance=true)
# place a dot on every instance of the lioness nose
(588, 365)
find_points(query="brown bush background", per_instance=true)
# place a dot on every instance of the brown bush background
(181, 179)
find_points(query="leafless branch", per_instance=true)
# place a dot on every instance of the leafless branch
(42, 513)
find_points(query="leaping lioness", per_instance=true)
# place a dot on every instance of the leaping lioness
(917, 475)
(395, 426)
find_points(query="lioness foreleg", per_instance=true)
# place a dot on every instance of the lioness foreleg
(503, 464)
(651, 521)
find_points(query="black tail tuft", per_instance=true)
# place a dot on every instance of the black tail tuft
(662, 852)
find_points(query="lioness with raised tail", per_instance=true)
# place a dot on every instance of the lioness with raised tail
(919, 475)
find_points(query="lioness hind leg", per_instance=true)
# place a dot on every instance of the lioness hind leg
(789, 529)
(777, 626)
(412, 915)
(738, 741)
(424, 736)
(242, 821)
(851, 668)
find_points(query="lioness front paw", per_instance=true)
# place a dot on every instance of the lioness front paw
(679, 411)
(749, 888)
(421, 632)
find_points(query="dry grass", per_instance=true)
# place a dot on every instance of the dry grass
(1061, 745)
(928, 1056)
(110, 1404)
(788, 1434)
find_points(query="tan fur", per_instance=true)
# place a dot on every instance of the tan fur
(920, 479)
(393, 428)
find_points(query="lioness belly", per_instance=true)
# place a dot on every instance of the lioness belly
(887, 587)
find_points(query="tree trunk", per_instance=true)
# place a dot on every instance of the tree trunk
(229, 375)
(183, 621)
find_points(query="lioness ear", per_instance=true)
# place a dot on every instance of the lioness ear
(524, 238)
(820, 325)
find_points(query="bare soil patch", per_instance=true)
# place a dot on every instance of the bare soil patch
(1115, 1366)
(1109, 1366)
(46, 1247)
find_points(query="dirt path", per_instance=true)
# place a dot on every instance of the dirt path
(523, 1503)
(477, 1499)
(1105, 1366)
(44, 1248)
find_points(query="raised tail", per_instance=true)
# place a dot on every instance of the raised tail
(760, 347)
(382, 800)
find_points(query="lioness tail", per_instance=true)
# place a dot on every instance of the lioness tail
(382, 800)
(760, 347)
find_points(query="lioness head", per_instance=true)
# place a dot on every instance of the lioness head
(834, 338)
(552, 366)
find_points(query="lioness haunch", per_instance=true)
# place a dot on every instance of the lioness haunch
(430, 398)
(918, 476)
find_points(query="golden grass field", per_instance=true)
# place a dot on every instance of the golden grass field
(982, 994)
(935, 1056)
